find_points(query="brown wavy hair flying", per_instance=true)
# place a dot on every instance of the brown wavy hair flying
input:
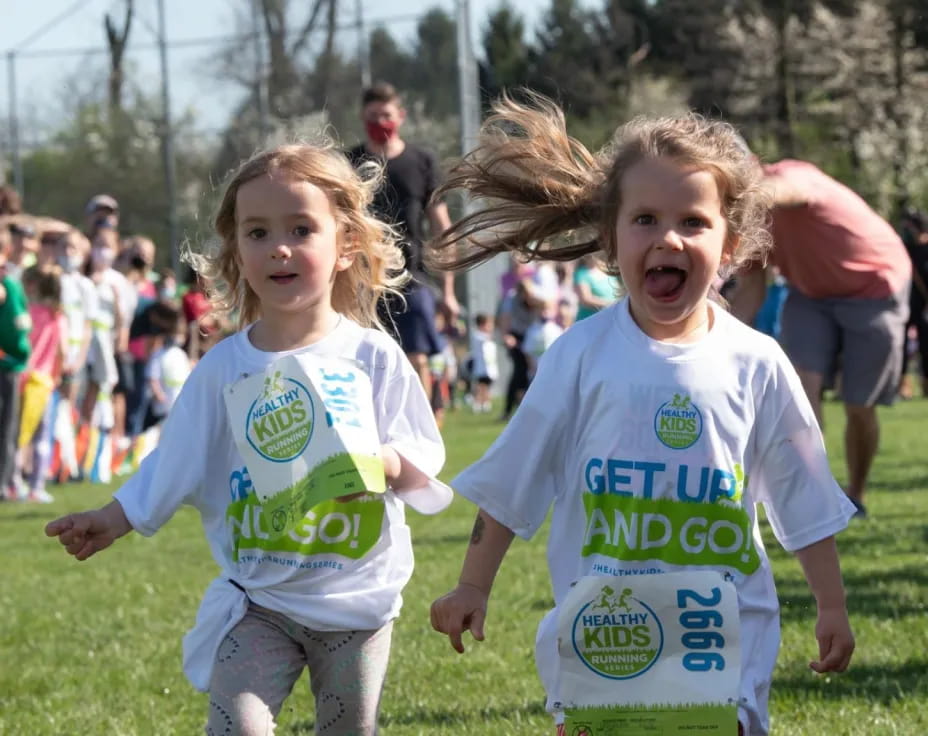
(539, 192)
(378, 264)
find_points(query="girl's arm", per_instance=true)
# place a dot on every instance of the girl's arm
(87, 532)
(401, 474)
(832, 629)
(465, 607)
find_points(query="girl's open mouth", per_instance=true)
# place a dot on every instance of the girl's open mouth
(282, 278)
(664, 283)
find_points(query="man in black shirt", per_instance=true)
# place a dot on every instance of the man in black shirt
(411, 175)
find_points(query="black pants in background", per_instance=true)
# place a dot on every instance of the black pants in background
(917, 306)
(518, 381)
(9, 426)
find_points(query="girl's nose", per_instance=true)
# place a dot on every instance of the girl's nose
(669, 239)
(281, 251)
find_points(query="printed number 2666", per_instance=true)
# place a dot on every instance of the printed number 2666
(700, 618)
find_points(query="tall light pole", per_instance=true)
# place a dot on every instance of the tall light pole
(264, 123)
(14, 123)
(167, 142)
(11, 81)
(364, 51)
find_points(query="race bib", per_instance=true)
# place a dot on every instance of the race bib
(306, 429)
(648, 655)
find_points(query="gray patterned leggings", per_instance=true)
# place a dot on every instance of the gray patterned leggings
(263, 656)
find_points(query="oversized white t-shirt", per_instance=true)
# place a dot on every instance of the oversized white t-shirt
(618, 429)
(344, 566)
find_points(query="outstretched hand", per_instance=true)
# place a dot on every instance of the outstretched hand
(85, 533)
(463, 609)
(835, 641)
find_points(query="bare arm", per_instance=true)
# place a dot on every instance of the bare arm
(465, 607)
(585, 295)
(87, 532)
(822, 570)
(785, 193)
(401, 474)
(440, 221)
(749, 293)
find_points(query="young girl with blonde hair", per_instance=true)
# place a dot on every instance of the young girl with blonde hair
(670, 204)
(302, 264)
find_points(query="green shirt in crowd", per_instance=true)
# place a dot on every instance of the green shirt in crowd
(14, 328)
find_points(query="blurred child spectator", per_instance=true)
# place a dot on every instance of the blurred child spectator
(78, 302)
(483, 368)
(104, 401)
(539, 337)
(43, 371)
(14, 352)
(169, 365)
(567, 301)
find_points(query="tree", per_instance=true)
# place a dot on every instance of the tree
(117, 39)
(505, 50)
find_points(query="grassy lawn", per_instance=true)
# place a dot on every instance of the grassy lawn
(95, 647)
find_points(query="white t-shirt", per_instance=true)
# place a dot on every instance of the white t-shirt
(320, 576)
(78, 296)
(541, 336)
(170, 367)
(483, 351)
(112, 286)
(616, 426)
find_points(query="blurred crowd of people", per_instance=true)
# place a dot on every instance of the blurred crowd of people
(95, 343)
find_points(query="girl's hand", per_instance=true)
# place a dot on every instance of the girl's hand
(87, 532)
(392, 465)
(835, 640)
(463, 609)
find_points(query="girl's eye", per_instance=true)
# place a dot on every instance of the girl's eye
(694, 222)
(301, 231)
(257, 233)
(644, 220)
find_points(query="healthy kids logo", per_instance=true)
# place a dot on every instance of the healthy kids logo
(280, 421)
(616, 635)
(678, 423)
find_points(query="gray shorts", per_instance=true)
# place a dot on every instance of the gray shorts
(860, 338)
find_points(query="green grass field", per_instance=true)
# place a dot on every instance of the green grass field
(94, 647)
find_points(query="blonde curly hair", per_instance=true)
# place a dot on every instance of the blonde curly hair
(377, 269)
(542, 194)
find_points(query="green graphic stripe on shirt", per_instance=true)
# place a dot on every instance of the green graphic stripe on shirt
(346, 528)
(634, 529)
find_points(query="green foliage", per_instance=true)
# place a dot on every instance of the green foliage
(97, 151)
(94, 647)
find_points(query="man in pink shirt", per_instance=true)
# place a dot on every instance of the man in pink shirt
(849, 278)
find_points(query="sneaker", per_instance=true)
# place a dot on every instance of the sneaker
(40, 495)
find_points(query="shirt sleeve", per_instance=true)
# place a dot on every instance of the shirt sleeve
(404, 416)
(793, 480)
(173, 474)
(516, 480)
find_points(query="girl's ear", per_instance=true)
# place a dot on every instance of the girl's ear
(346, 249)
(731, 247)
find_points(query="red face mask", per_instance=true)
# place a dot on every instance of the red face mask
(379, 132)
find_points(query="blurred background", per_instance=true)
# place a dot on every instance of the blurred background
(157, 99)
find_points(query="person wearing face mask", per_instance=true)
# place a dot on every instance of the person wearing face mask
(78, 300)
(404, 201)
(104, 401)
